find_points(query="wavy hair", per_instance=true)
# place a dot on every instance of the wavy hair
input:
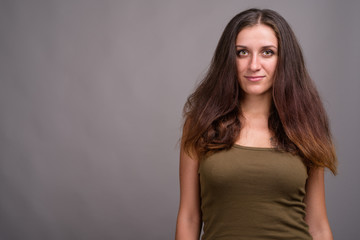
(297, 117)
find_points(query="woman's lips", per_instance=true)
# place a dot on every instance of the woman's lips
(254, 78)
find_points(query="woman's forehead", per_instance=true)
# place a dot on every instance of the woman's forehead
(257, 35)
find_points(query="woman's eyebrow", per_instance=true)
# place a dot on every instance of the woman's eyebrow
(267, 46)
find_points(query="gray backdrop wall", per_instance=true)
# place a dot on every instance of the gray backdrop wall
(91, 95)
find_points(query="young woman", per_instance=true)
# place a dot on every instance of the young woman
(256, 140)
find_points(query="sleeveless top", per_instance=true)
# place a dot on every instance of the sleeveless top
(253, 193)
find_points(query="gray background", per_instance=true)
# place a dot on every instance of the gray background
(91, 96)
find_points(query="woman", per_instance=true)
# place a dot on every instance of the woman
(256, 140)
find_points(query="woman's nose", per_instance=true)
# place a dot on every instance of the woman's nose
(255, 64)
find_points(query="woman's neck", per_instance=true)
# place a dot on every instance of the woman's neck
(256, 106)
(254, 119)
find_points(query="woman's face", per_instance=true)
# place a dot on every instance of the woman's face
(257, 54)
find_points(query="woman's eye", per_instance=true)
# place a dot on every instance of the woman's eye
(242, 52)
(268, 53)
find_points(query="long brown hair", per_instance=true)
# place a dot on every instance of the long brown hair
(297, 116)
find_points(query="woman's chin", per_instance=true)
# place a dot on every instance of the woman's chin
(257, 92)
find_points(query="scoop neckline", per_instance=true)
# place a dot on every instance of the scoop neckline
(254, 148)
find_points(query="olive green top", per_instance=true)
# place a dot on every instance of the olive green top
(253, 193)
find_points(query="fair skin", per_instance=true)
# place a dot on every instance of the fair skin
(256, 48)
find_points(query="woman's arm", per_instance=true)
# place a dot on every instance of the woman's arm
(316, 216)
(189, 221)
